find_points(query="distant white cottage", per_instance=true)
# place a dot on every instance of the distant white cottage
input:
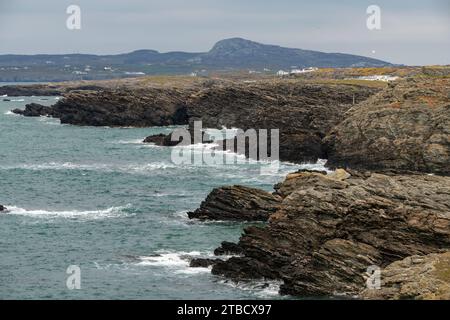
(307, 70)
(385, 78)
(282, 73)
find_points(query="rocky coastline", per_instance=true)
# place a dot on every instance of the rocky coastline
(391, 213)
(237, 203)
(385, 205)
(116, 108)
(305, 113)
(329, 229)
(50, 90)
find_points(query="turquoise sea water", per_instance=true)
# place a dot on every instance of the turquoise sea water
(99, 199)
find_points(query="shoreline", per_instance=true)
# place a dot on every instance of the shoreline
(370, 211)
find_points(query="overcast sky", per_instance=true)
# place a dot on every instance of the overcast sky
(414, 32)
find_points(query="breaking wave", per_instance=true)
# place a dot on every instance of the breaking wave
(264, 289)
(178, 262)
(10, 113)
(112, 212)
(128, 168)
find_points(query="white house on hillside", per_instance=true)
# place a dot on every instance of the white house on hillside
(307, 70)
(282, 73)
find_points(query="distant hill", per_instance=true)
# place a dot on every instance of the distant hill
(229, 54)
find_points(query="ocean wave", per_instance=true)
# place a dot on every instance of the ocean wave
(50, 121)
(197, 146)
(142, 168)
(181, 219)
(17, 100)
(112, 212)
(10, 113)
(178, 262)
(55, 166)
(218, 158)
(128, 168)
(133, 141)
(264, 289)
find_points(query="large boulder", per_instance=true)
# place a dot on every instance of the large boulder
(167, 140)
(417, 277)
(329, 229)
(237, 203)
(161, 140)
(404, 127)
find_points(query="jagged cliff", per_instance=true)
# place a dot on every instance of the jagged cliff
(404, 127)
(329, 229)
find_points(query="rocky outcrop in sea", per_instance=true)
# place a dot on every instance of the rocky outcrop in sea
(237, 203)
(35, 110)
(117, 108)
(330, 228)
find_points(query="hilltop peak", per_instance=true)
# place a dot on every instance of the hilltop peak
(227, 46)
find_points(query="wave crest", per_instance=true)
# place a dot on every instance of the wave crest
(177, 261)
(112, 212)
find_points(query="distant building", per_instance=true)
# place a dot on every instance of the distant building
(282, 73)
(385, 78)
(128, 73)
(307, 70)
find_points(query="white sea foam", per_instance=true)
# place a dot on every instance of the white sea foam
(197, 146)
(142, 168)
(50, 121)
(17, 100)
(260, 288)
(177, 262)
(4, 96)
(230, 158)
(128, 168)
(10, 113)
(112, 212)
(56, 166)
(133, 141)
(182, 215)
